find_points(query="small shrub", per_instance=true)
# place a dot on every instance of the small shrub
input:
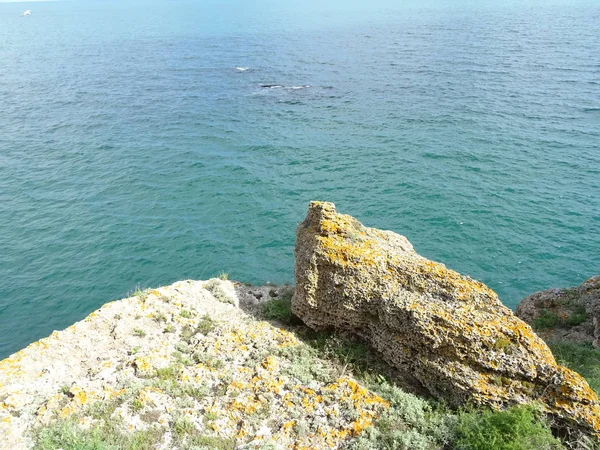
(517, 428)
(183, 427)
(545, 321)
(278, 309)
(576, 319)
(577, 316)
(196, 392)
(185, 314)
(205, 325)
(137, 405)
(140, 293)
(159, 317)
(214, 287)
(210, 416)
(223, 276)
(410, 423)
(139, 332)
(170, 328)
(183, 347)
(167, 373)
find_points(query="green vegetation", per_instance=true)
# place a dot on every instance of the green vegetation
(578, 315)
(185, 431)
(517, 428)
(167, 373)
(67, 435)
(545, 321)
(414, 423)
(582, 358)
(279, 308)
(410, 422)
(306, 366)
(214, 287)
(142, 294)
(159, 317)
(185, 314)
(139, 332)
(571, 314)
(205, 325)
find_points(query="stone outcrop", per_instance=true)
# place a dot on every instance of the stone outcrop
(450, 332)
(176, 367)
(571, 314)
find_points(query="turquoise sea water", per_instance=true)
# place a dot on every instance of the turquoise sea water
(133, 152)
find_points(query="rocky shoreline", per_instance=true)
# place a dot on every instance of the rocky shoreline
(218, 364)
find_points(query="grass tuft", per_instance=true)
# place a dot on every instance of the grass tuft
(545, 321)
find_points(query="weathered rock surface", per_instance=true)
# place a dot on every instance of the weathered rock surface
(571, 314)
(450, 332)
(181, 367)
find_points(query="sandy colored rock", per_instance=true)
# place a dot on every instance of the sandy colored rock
(450, 332)
(571, 314)
(182, 357)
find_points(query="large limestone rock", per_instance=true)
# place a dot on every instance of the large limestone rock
(571, 314)
(180, 356)
(449, 331)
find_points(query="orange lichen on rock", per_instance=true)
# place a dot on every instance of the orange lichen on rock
(447, 330)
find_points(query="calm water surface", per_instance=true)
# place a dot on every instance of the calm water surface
(133, 152)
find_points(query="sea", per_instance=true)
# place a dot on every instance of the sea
(144, 142)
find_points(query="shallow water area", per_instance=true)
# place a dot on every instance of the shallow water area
(147, 142)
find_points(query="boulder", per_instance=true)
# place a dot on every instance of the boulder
(450, 332)
(571, 314)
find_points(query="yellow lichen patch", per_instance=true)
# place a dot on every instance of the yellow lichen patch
(113, 393)
(573, 386)
(344, 253)
(143, 364)
(80, 397)
(67, 411)
(462, 287)
(270, 363)
(149, 395)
